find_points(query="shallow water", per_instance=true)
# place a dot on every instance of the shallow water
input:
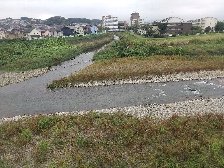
(32, 96)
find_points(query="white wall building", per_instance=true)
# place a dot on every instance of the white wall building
(172, 20)
(45, 33)
(205, 22)
(56, 33)
(79, 30)
(34, 34)
(2, 34)
(110, 23)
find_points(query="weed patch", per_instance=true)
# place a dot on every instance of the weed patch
(115, 140)
(135, 46)
(22, 55)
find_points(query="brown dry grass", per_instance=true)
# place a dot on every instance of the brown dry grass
(113, 140)
(132, 67)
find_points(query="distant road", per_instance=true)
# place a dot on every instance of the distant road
(32, 96)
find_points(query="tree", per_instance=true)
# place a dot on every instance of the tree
(208, 29)
(162, 28)
(25, 18)
(149, 30)
(196, 30)
(56, 20)
(219, 27)
(134, 28)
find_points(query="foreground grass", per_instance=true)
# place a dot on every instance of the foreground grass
(132, 68)
(118, 140)
(22, 55)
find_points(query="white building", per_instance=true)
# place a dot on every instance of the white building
(79, 30)
(2, 34)
(45, 33)
(205, 22)
(110, 23)
(55, 33)
(34, 34)
(172, 20)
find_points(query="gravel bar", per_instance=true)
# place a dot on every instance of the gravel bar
(7, 78)
(201, 75)
(155, 111)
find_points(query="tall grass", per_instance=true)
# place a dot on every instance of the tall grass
(21, 55)
(131, 45)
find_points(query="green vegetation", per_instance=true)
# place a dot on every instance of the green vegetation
(22, 55)
(219, 27)
(113, 140)
(58, 20)
(136, 57)
(191, 46)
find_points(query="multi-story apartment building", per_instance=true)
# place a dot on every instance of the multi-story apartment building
(110, 23)
(122, 25)
(136, 19)
(177, 25)
(204, 23)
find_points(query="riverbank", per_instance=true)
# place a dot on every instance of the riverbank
(7, 78)
(154, 111)
(187, 76)
(187, 133)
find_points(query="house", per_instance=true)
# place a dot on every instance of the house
(14, 34)
(94, 29)
(34, 34)
(79, 30)
(91, 29)
(2, 34)
(55, 33)
(45, 33)
(67, 31)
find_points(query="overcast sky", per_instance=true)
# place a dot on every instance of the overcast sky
(149, 10)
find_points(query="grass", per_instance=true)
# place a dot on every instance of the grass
(135, 46)
(113, 140)
(132, 68)
(23, 55)
(135, 57)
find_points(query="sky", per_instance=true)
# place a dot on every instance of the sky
(150, 10)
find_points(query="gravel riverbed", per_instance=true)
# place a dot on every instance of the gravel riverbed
(155, 111)
(201, 75)
(7, 78)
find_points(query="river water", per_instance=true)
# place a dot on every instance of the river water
(32, 96)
